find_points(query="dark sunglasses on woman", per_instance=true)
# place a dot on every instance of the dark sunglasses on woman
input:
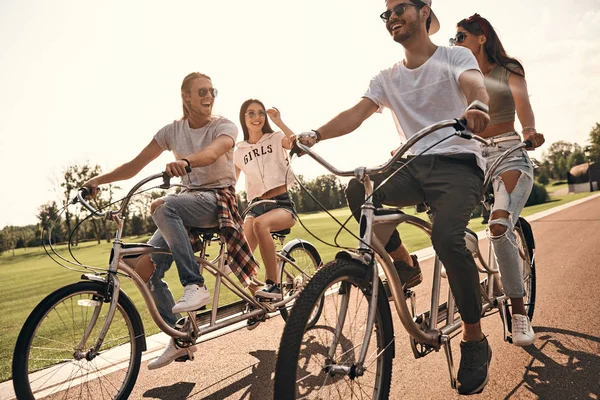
(459, 38)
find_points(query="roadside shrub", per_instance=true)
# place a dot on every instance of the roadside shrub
(538, 195)
(543, 179)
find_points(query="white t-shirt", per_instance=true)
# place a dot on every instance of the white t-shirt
(183, 141)
(425, 95)
(265, 164)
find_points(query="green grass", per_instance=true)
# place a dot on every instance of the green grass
(556, 186)
(30, 274)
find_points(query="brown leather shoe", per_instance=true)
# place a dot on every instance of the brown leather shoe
(409, 276)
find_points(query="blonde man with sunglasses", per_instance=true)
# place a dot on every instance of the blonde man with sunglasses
(202, 144)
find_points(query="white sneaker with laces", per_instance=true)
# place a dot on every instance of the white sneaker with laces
(170, 353)
(194, 297)
(522, 331)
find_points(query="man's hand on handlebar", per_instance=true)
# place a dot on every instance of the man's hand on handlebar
(92, 185)
(176, 168)
(476, 120)
(306, 138)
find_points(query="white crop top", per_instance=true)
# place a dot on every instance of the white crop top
(265, 164)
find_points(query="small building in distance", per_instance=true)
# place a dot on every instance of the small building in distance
(584, 178)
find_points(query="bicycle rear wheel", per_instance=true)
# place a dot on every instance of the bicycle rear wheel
(307, 366)
(295, 277)
(53, 360)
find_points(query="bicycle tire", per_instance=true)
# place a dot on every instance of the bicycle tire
(309, 260)
(32, 376)
(345, 276)
(526, 245)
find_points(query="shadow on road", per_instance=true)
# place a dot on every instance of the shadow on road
(178, 391)
(257, 383)
(564, 365)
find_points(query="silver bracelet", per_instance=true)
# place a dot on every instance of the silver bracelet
(529, 128)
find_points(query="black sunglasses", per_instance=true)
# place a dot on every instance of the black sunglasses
(460, 37)
(399, 10)
(204, 91)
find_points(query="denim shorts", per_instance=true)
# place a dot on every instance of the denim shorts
(518, 160)
(266, 207)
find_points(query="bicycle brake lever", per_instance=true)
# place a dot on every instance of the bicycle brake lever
(166, 180)
(296, 151)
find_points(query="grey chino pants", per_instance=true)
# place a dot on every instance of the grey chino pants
(451, 185)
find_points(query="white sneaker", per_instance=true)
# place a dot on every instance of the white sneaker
(194, 297)
(170, 353)
(522, 331)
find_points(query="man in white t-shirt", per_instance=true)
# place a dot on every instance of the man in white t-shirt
(429, 85)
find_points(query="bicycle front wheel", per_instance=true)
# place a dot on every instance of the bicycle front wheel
(53, 357)
(323, 362)
(294, 276)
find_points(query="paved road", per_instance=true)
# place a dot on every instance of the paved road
(563, 363)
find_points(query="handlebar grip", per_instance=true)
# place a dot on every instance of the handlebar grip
(528, 144)
(188, 169)
(85, 193)
(460, 125)
(296, 151)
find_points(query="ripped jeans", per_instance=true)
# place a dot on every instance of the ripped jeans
(505, 245)
(188, 209)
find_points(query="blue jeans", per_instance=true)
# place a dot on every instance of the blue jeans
(505, 245)
(196, 209)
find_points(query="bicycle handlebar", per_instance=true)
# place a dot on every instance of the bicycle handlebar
(84, 192)
(458, 124)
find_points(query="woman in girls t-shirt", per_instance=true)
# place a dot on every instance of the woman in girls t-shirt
(263, 158)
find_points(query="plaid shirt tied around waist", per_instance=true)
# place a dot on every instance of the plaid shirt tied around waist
(239, 257)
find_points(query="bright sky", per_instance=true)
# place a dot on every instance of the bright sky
(92, 82)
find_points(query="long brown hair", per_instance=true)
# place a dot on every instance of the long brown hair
(477, 25)
(266, 127)
(186, 86)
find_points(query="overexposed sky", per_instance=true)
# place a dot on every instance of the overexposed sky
(84, 81)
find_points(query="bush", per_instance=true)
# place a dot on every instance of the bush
(538, 195)
(543, 179)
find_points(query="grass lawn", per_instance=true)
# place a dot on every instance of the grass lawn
(30, 274)
(556, 186)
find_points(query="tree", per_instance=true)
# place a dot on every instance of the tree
(595, 143)
(49, 219)
(557, 155)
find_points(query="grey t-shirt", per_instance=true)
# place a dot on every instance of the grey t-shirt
(183, 141)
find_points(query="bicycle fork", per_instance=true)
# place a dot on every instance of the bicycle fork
(113, 286)
(358, 368)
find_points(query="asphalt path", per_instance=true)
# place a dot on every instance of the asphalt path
(563, 363)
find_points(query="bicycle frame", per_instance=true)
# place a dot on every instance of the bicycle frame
(377, 225)
(216, 267)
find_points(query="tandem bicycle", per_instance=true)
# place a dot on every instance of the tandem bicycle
(349, 354)
(85, 340)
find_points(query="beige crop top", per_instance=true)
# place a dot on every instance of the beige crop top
(502, 103)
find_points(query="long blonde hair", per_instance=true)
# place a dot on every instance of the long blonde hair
(186, 86)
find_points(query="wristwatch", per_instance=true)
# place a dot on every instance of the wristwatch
(478, 105)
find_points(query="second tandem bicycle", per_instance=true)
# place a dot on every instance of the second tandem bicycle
(85, 340)
(349, 354)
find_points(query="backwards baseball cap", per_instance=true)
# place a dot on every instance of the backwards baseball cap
(435, 23)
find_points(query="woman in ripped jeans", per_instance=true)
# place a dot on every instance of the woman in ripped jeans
(504, 79)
